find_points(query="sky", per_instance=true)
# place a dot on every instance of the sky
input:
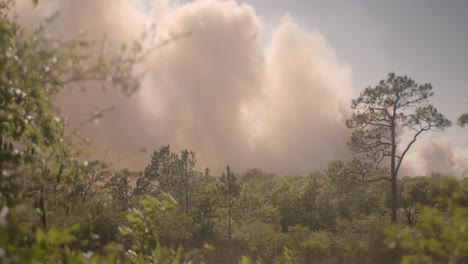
(267, 84)
(424, 39)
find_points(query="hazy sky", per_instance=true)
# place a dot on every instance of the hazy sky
(268, 83)
(424, 39)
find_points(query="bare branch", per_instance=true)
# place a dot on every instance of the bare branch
(408, 147)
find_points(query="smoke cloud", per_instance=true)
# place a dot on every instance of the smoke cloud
(228, 92)
(234, 99)
(435, 154)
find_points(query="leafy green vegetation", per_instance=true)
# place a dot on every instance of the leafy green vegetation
(57, 208)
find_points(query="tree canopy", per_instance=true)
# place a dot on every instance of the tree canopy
(383, 113)
(463, 120)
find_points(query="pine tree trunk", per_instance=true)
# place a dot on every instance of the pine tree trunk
(393, 179)
(394, 203)
(186, 191)
(42, 206)
(229, 218)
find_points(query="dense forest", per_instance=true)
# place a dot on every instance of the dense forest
(56, 206)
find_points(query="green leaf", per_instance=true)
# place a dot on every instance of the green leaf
(56, 236)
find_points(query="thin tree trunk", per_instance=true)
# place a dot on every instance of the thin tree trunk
(57, 182)
(186, 190)
(229, 218)
(43, 208)
(394, 198)
(394, 175)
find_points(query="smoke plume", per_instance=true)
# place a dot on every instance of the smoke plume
(435, 154)
(227, 91)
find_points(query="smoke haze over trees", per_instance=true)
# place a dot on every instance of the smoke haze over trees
(196, 132)
(233, 91)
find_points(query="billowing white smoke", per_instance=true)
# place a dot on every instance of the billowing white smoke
(226, 91)
(224, 94)
(434, 153)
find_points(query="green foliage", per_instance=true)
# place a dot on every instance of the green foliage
(413, 192)
(34, 150)
(228, 189)
(286, 258)
(21, 242)
(441, 234)
(353, 191)
(55, 207)
(205, 207)
(28, 127)
(119, 185)
(228, 184)
(142, 232)
(171, 173)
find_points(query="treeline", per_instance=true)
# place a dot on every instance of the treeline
(87, 212)
(55, 207)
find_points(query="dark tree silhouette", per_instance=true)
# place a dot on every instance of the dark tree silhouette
(382, 113)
